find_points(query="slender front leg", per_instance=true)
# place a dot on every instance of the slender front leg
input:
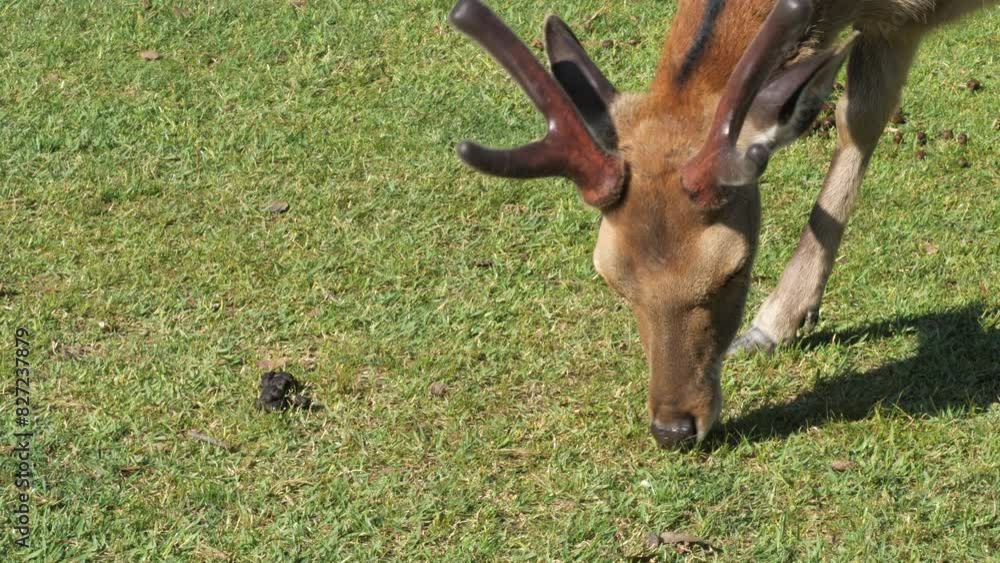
(876, 74)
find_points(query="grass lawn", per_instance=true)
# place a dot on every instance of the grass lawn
(138, 253)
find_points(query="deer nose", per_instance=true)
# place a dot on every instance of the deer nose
(674, 433)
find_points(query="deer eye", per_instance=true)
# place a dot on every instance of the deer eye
(734, 276)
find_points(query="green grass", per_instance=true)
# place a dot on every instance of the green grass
(137, 252)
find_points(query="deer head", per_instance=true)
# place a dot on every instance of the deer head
(675, 176)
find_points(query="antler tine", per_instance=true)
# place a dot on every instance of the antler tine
(568, 148)
(778, 36)
(776, 39)
(564, 48)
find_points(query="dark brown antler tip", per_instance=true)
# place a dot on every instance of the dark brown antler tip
(466, 151)
(793, 11)
(463, 13)
(534, 160)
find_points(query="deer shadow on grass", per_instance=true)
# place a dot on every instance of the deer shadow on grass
(956, 367)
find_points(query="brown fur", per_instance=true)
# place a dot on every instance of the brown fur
(685, 270)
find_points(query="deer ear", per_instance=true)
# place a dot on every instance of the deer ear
(592, 93)
(791, 101)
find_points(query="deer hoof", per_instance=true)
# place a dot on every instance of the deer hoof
(809, 323)
(753, 341)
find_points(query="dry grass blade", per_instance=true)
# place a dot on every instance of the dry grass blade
(590, 21)
(676, 538)
(199, 437)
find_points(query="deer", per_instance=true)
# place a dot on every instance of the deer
(675, 171)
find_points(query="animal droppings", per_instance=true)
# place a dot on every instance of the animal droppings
(277, 207)
(841, 465)
(280, 390)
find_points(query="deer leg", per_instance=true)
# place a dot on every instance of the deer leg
(876, 73)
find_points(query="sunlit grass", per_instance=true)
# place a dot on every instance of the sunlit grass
(139, 253)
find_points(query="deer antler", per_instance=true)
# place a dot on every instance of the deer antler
(718, 162)
(568, 149)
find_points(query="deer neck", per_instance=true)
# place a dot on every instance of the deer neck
(704, 44)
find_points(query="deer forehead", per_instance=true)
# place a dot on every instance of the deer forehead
(657, 138)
